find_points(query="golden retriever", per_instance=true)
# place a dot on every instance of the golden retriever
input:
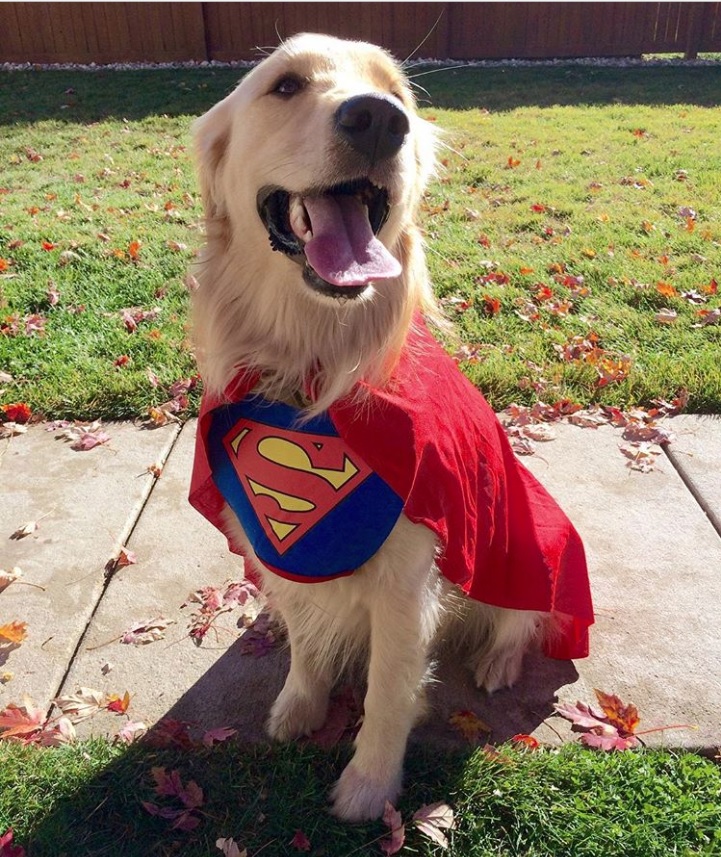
(312, 282)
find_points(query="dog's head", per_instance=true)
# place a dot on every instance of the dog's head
(311, 172)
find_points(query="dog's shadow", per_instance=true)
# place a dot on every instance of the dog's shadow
(239, 690)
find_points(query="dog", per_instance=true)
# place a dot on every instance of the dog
(368, 485)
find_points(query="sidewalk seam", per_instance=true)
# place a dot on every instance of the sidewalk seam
(687, 480)
(124, 537)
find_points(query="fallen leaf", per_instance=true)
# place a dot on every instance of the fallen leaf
(230, 847)
(623, 716)
(190, 797)
(169, 732)
(433, 819)
(666, 316)
(527, 741)
(117, 704)
(342, 720)
(300, 841)
(21, 721)
(142, 633)
(13, 632)
(469, 725)
(7, 849)
(642, 456)
(26, 530)
(217, 736)
(79, 706)
(392, 819)
(130, 732)
(18, 412)
(8, 577)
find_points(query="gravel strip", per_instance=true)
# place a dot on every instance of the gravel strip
(601, 62)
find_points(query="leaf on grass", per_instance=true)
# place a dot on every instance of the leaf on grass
(527, 741)
(217, 736)
(469, 725)
(392, 819)
(21, 722)
(300, 841)
(230, 847)
(433, 819)
(131, 732)
(666, 316)
(190, 797)
(17, 412)
(7, 848)
(13, 632)
(149, 631)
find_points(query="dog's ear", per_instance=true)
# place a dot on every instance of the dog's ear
(212, 135)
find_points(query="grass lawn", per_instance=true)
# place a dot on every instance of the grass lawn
(573, 231)
(86, 800)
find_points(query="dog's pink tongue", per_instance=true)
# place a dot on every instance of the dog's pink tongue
(343, 250)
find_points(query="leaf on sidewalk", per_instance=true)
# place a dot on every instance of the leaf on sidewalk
(13, 633)
(8, 577)
(217, 736)
(142, 633)
(469, 725)
(26, 530)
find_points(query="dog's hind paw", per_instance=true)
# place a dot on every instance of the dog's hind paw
(356, 797)
(498, 670)
(294, 715)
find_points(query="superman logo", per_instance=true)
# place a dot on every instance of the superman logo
(292, 479)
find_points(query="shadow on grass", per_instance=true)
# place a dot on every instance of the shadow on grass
(262, 794)
(85, 97)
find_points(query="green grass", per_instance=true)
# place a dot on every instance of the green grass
(85, 800)
(578, 139)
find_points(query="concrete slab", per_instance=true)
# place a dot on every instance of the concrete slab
(86, 504)
(654, 560)
(696, 454)
(178, 552)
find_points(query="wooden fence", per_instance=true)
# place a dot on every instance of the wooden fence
(169, 32)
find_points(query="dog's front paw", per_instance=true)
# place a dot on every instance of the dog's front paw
(357, 797)
(294, 715)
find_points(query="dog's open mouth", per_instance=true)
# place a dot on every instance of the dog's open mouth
(333, 232)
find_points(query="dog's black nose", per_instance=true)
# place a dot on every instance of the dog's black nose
(373, 124)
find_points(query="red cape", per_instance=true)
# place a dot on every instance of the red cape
(434, 439)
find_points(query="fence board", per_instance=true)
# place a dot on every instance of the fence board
(162, 32)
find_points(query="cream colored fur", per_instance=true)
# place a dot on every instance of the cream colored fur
(253, 310)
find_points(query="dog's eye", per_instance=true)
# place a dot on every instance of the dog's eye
(289, 84)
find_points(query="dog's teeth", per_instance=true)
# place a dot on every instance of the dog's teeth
(299, 219)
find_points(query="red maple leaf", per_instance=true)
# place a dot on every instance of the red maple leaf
(17, 412)
(7, 849)
(300, 841)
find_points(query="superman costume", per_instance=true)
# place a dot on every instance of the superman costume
(318, 498)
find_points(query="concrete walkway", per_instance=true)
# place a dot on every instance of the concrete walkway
(653, 543)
